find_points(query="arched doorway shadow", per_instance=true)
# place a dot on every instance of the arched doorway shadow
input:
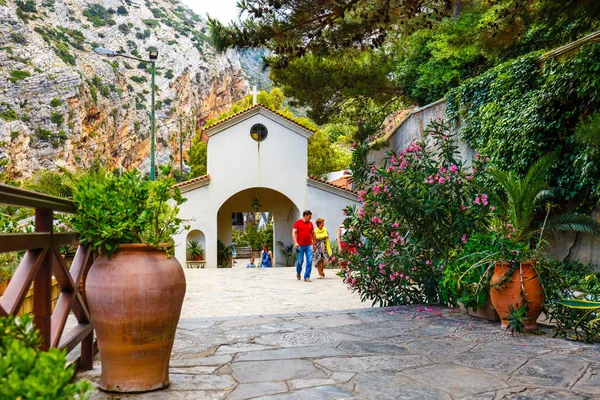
(282, 210)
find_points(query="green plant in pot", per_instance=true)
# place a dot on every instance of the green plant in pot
(134, 288)
(522, 220)
(466, 278)
(195, 251)
(224, 254)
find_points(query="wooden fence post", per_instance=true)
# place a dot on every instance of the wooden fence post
(42, 302)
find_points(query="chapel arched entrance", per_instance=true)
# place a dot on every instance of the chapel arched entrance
(282, 210)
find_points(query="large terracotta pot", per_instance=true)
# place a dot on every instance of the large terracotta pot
(135, 300)
(510, 294)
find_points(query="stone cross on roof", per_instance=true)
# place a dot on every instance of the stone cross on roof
(254, 92)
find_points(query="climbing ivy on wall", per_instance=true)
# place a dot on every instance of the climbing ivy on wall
(517, 111)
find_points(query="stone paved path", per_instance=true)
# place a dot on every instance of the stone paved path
(357, 353)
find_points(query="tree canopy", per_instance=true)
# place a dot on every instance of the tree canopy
(357, 60)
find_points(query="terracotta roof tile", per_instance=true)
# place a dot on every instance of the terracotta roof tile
(252, 108)
(192, 181)
(334, 185)
(342, 181)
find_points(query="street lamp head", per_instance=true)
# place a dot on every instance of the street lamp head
(153, 55)
(105, 52)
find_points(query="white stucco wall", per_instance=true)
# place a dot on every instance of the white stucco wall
(328, 204)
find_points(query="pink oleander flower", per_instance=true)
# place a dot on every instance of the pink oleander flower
(454, 169)
(395, 225)
(464, 238)
(476, 201)
(441, 181)
(492, 208)
(484, 199)
(427, 262)
(377, 220)
(463, 207)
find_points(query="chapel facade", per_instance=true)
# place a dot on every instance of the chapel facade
(256, 157)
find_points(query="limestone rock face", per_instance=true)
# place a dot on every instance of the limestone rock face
(61, 104)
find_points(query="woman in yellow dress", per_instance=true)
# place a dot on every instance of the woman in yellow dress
(323, 252)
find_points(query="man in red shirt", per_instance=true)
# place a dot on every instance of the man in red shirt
(304, 243)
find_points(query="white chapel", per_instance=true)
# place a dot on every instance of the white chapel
(256, 158)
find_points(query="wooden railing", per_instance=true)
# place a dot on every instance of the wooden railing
(41, 261)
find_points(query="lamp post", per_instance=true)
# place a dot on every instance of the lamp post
(153, 55)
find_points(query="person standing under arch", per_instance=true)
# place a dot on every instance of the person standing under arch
(305, 241)
(266, 257)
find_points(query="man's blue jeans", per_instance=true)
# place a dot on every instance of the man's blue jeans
(300, 254)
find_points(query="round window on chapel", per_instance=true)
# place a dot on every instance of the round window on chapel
(259, 132)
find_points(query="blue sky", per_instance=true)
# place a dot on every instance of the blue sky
(223, 10)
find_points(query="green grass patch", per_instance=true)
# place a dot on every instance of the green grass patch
(99, 15)
(17, 75)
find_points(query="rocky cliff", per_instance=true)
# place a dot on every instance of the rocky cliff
(61, 104)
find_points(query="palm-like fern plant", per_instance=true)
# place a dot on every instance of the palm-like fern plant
(521, 200)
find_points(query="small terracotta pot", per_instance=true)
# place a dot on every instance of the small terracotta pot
(510, 293)
(135, 300)
(3, 286)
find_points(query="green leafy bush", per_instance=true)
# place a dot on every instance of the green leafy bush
(62, 51)
(16, 75)
(124, 29)
(28, 373)
(253, 237)
(139, 79)
(516, 112)
(7, 113)
(98, 15)
(420, 208)
(151, 23)
(125, 208)
(55, 102)
(57, 118)
(18, 38)
(571, 280)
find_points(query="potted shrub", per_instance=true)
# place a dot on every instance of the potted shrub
(224, 255)
(466, 280)
(515, 282)
(135, 289)
(195, 251)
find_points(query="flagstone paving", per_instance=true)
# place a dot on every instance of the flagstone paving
(407, 352)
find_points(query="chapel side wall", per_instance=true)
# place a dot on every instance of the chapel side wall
(580, 247)
(329, 206)
(198, 213)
